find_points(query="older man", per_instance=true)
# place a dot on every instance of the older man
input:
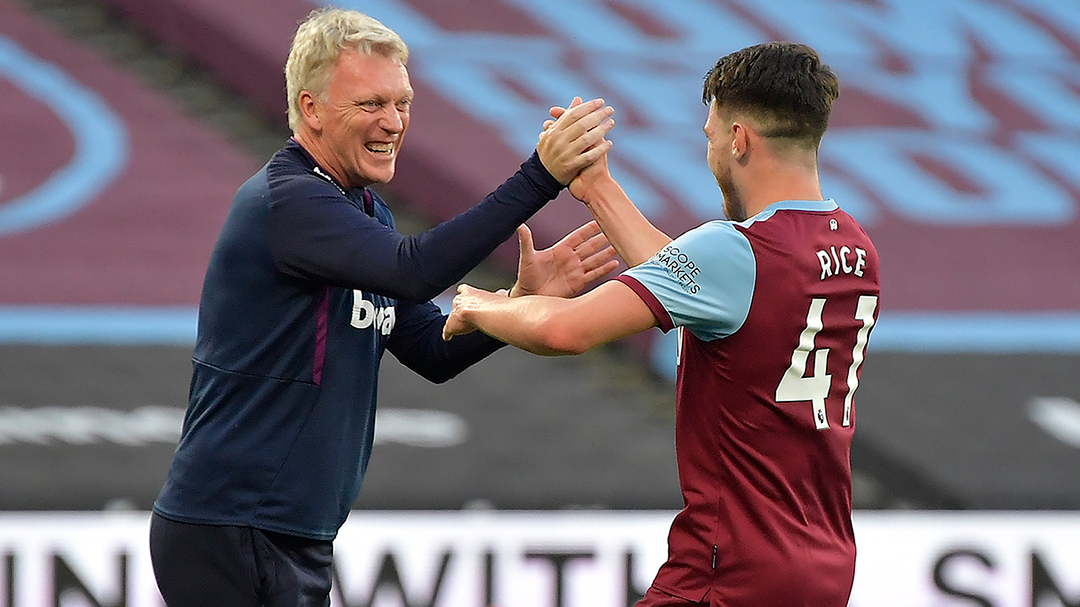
(307, 286)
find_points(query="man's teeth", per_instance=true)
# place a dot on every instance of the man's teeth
(381, 148)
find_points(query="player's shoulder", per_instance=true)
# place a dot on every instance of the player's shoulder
(704, 279)
(709, 241)
(713, 233)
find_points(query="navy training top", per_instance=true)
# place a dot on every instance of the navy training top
(305, 290)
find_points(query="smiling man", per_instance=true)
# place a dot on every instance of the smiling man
(308, 284)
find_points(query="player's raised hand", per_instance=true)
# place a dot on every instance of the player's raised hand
(584, 182)
(575, 139)
(565, 268)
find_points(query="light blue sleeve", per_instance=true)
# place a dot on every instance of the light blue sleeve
(704, 279)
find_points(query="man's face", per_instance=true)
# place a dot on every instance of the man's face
(365, 112)
(720, 158)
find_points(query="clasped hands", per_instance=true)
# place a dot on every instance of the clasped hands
(572, 146)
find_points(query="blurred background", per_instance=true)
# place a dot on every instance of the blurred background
(128, 125)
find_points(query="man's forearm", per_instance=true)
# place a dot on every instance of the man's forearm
(628, 230)
(456, 246)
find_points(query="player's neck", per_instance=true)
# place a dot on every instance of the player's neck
(780, 182)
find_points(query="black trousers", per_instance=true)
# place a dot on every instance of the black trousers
(226, 566)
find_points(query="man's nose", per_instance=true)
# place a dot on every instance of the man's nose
(393, 121)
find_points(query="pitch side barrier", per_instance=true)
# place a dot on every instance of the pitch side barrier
(557, 559)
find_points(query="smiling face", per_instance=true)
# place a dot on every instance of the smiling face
(361, 117)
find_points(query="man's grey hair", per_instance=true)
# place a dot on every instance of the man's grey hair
(318, 42)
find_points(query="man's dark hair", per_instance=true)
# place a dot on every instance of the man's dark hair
(782, 85)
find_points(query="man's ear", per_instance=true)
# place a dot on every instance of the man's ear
(310, 111)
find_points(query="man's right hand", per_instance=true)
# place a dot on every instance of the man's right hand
(575, 139)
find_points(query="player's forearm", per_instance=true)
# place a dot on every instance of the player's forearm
(629, 231)
(531, 323)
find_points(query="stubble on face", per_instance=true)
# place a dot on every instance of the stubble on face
(734, 208)
(718, 131)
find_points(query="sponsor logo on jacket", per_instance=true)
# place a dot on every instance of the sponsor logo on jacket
(365, 314)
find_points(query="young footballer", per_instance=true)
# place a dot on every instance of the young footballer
(773, 306)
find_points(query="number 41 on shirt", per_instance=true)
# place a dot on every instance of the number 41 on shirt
(794, 387)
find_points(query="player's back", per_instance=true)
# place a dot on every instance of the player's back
(765, 416)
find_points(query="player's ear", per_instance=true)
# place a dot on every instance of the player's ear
(740, 140)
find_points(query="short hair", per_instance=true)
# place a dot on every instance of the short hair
(318, 42)
(784, 86)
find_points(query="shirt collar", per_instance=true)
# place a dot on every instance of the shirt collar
(352, 194)
(820, 206)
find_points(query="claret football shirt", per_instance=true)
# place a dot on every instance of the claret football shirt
(774, 314)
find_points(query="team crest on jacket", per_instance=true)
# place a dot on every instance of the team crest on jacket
(365, 314)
